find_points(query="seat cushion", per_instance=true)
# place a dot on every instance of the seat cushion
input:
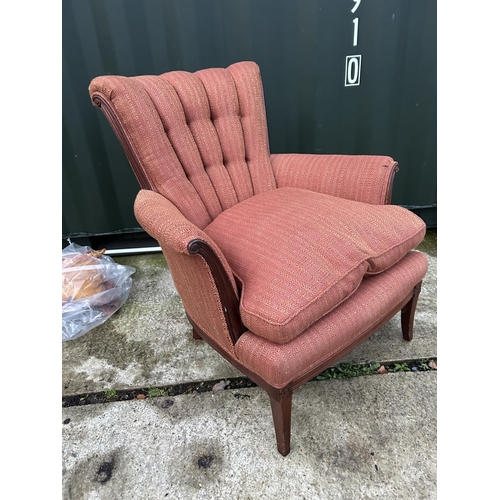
(299, 254)
(336, 332)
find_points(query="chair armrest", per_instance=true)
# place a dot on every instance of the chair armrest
(201, 273)
(356, 177)
(162, 220)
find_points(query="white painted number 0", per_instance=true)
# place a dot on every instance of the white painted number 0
(352, 71)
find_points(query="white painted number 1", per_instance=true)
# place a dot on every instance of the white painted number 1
(355, 8)
(355, 35)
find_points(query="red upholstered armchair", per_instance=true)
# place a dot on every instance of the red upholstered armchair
(284, 263)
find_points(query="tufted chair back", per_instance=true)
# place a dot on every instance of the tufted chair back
(199, 139)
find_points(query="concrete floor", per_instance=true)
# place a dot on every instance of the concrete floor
(365, 437)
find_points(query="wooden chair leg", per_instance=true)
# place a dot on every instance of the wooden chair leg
(282, 417)
(408, 313)
(196, 336)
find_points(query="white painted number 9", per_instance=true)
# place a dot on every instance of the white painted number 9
(355, 8)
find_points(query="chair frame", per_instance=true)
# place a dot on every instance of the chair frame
(280, 397)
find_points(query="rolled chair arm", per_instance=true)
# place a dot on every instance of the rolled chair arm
(356, 177)
(201, 273)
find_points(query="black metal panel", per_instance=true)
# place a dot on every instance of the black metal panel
(301, 48)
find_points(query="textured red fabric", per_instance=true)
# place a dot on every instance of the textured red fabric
(201, 138)
(145, 131)
(191, 274)
(280, 364)
(201, 141)
(299, 254)
(225, 115)
(253, 122)
(354, 177)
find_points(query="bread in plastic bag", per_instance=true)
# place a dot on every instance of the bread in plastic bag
(94, 287)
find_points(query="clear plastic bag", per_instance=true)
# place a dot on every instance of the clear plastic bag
(94, 287)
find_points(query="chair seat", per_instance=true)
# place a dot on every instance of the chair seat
(292, 278)
(279, 364)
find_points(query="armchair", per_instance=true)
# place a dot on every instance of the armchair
(284, 263)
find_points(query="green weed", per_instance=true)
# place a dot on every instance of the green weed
(401, 367)
(154, 392)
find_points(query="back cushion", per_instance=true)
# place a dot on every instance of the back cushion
(200, 138)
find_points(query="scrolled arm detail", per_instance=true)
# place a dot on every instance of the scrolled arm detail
(196, 264)
(366, 178)
(229, 300)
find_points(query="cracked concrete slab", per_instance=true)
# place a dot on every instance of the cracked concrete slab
(366, 437)
(148, 342)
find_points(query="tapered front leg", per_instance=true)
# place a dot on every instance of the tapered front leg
(196, 336)
(282, 417)
(408, 313)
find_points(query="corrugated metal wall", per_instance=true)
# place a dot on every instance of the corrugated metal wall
(301, 48)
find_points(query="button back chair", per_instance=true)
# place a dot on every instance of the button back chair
(284, 262)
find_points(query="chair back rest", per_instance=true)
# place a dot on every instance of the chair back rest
(199, 139)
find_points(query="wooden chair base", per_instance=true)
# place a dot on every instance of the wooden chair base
(281, 398)
(282, 418)
(408, 313)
